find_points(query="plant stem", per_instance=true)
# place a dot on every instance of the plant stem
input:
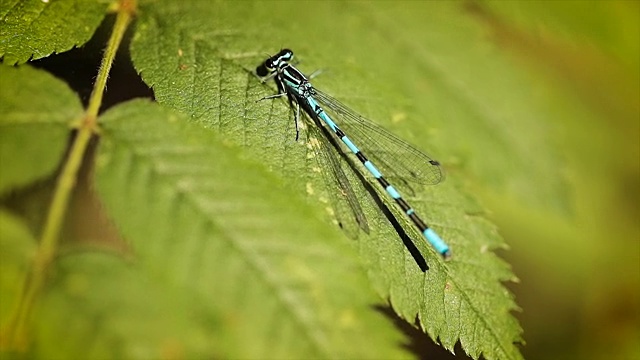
(18, 328)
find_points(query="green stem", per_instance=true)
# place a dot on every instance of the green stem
(18, 330)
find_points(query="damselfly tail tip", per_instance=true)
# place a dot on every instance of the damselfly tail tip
(437, 242)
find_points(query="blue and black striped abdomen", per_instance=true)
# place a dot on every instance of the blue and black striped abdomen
(433, 238)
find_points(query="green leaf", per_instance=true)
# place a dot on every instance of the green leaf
(31, 29)
(100, 307)
(202, 65)
(17, 246)
(36, 111)
(202, 218)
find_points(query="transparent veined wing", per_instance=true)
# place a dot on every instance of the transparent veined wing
(396, 159)
(346, 206)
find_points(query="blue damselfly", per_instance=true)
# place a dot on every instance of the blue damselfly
(389, 153)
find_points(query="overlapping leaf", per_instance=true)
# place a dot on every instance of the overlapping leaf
(36, 29)
(101, 307)
(34, 126)
(203, 219)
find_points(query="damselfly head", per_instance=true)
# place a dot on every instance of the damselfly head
(271, 64)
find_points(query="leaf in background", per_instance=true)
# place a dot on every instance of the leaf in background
(100, 307)
(36, 112)
(204, 219)
(199, 56)
(610, 25)
(36, 29)
(17, 247)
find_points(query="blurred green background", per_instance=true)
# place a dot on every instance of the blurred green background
(579, 268)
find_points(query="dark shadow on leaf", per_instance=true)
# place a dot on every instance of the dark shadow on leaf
(406, 240)
(418, 342)
(78, 67)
